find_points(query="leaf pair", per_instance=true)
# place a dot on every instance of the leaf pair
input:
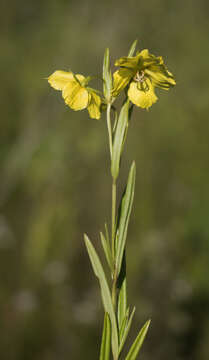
(105, 292)
(106, 339)
(134, 350)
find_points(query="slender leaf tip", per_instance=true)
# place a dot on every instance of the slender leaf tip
(132, 48)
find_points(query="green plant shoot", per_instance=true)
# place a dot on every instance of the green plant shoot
(136, 78)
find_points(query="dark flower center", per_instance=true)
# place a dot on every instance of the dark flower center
(141, 80)
(139, 77)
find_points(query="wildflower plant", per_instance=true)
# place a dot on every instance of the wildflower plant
(137, 77)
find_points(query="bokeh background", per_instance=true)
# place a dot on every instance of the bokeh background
(55, 183)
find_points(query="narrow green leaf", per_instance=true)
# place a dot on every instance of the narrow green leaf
(122, 296)
(134, 350)
(123, 325)
(123, 336)
(122, 303)
(107, 76)
(126, 206)
(122, 125)
(115, 121)
(106, 339)
(132, 48)
(105, 292)
(107, 250)
(107, 233)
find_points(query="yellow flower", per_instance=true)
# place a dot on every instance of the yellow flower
(76, 93)
(142, 73)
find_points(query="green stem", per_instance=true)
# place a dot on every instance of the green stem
(114, 291)
(114, 191)
(109, 127)
(114, 283)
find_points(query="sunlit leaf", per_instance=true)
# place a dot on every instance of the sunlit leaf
(126, 206)
(132, 49)
(107, 250)
(123, 326)
(122, 296)
(106, 339)
(124, 333)
(120, 131)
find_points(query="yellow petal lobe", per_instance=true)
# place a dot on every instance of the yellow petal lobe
(121, 78)
(128, 62)
(94, 106)
(59, 79)
(75, 96)
(80, 78)
(160, 76)
(143, 98)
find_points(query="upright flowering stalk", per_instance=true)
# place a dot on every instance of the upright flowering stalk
(138, 76)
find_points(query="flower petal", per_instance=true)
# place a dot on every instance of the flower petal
(80, 78)
(160, 76)
(154, 67)
(143, 98)
(75, 96)
(121, 78)
(59, 79)
(146, 59)
(145, 53)
(94, 106)
(128, 62)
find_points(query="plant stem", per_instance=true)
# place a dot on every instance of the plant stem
(109, 127)
(114, 291)
(114, 195)
(114, 191)
(114, 283)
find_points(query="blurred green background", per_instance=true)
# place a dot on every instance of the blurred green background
(55, 182)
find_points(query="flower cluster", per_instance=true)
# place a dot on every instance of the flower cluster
(139, 75)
